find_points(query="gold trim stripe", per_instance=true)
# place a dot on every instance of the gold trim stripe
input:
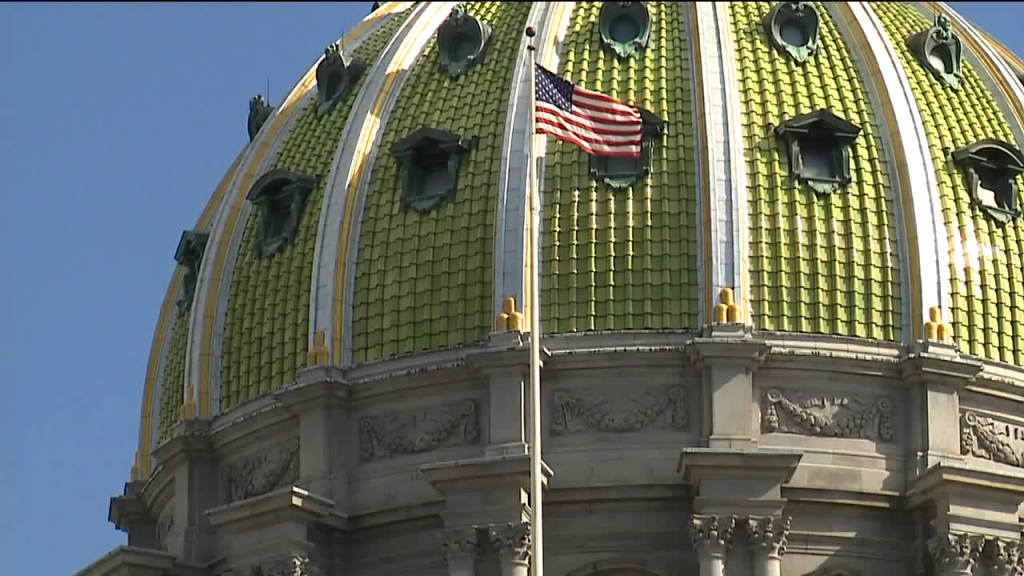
(360, 166)
(235, 209)
(149, 387)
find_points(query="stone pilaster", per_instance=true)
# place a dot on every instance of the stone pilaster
(711, 537)
(768, 537)
(1002, 557)
(505, 364)
(955, 554)
(459, 547)
(512, 542)
(728, 356)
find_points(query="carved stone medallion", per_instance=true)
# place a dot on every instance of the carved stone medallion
(257, 475)
(594, 411)
(986, 438)
(418, 431)
(838, 416)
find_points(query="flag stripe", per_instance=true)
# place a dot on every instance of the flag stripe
(552, 120)
(588, 124)
(596, 122)
(590, 148)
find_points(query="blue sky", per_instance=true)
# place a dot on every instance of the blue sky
(117, 122)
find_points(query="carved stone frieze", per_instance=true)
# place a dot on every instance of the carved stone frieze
(841, 416)
(257, 475)
(511, 541)
(458, 544)
(768, 535)
(595, 411)
(986, 438)
(711, 534)
(952, 551)
(1003, 557)
(290, 566)
(418, 431)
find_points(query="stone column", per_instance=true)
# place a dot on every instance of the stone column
(459, 547)
(767, 536)
(1002, 557)
(711, 537)
(512, 542)
(955, 554)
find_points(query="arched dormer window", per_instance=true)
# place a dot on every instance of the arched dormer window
(939, 50)
(281, 196)
(623, 171)
(625, 27)
(793, 28)
(189, 255)
(461, 41)
(818, 148)
(430, 161)
(991, 168)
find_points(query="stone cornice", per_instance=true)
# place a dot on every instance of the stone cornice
(316, 386)
(129, 509)
(490, 472)
(961, 479)
(131, 561)
(939, 363)
(190, 440)
(288, 504)
(696, 463)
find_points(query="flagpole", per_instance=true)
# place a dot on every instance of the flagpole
(536, 474)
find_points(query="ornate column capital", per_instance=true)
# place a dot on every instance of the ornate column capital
(955, 553)
(512, 541)
(290, 566)
(711, 534)
(768, 535)
(1003, 557)
(458, 544)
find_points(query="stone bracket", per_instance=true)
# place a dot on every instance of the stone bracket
(728, 349)
(970, 499)
(738, 482)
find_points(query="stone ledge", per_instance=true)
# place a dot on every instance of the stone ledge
(287, 504)
(696, 463)
(130, 561)
(509, 470)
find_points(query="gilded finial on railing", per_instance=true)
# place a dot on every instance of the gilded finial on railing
(188, 407)
(509, 320)
(726, 311)
(319, 353)
(935, 328)
(135, 468)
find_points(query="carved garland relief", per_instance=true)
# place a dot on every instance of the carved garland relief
(418, 431)
(591, 411)
(261, 474)
(829, 416)
(986, 438)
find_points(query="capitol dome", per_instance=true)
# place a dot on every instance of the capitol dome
(786, 339)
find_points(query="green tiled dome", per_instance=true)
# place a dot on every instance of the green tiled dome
(865, 251)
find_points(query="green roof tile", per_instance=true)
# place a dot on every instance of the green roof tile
(830, 263)
(266, 332)
(624, 259)
(172, 393)
(985, 314)
(423, 280)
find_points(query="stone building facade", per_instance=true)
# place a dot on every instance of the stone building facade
(788, 340)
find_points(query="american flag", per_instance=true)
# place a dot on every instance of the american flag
(597, 123)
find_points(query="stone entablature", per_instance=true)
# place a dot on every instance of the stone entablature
(395, 416)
